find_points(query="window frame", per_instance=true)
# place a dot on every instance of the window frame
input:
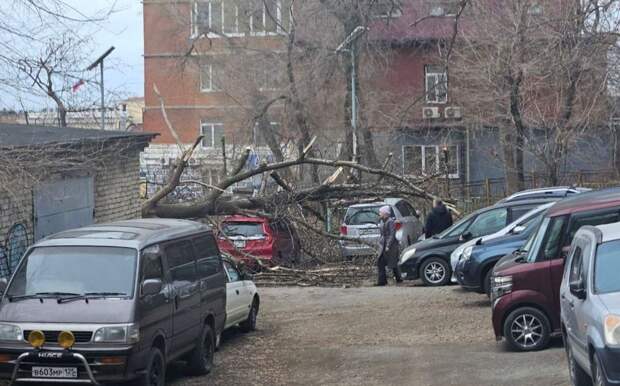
(203, 125)
(436, 75)
(438, 151)
(170, 268)
(212, 87)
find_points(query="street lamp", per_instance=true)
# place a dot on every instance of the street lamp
(99, 62)
(349, 45)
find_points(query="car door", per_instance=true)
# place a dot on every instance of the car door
(154, 311)
(572, 306)
(186, 319)
(212, 279)
(236, 303)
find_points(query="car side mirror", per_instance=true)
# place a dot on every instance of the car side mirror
(517, 230)
(3, 284)
(466, 236)
(151, 287)
(578, 289)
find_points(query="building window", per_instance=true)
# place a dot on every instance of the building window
(212, 134)
(208, 78)
(436, 83)
(224, 17)
(430, 160)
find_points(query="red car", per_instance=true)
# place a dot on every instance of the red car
(273, 242)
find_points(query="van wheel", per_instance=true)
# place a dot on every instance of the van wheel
(527, 329)
(598, 376)
(578, 377)
(435, 272)
(155, 374)
(201, 358)
(249, 324)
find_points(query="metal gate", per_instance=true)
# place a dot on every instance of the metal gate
(63, 204)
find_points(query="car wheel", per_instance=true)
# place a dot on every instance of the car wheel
(578, 376)
(155, 374)
(250, 323)
(486, 284)
(527, 329)
(201, 358)
(435, 272)
(598, 376)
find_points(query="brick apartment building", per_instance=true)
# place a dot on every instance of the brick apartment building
(408, 102)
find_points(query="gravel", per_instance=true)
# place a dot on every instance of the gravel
(406, 335)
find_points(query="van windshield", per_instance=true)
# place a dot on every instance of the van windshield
(75, 270)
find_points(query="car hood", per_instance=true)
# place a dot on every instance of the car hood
(611, 301)
(507, 263)
(100, 311)
(432, 243)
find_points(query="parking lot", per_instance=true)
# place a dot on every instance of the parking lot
(407, 335)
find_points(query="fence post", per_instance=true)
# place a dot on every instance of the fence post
(487, 188)
(580, 178)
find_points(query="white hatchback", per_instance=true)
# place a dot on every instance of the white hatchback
(242, 300)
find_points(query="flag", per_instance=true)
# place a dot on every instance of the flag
(77, 85)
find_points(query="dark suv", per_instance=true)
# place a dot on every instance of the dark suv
(430, 259)
(590, 303)
(525, 285)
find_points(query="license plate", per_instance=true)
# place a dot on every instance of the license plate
(370, 231)
(54, 372)
(239, 243)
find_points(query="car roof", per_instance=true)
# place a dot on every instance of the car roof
(131, 233)
(598, 199)
(510, 204)
(554, 191)
(609, 232)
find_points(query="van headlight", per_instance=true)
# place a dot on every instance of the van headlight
(612, 330)
(127, 333)
(11, 333)
(500, 286)
(407, 255)
(467, 253)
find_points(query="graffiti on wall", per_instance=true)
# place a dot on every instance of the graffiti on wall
(13, 248)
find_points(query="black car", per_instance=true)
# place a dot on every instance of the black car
(430, 259)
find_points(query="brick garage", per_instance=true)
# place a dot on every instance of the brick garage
(55, 178)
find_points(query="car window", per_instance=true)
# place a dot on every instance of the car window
(362, 215)
(456, 229)
(181, 260)
(243, 229)
(233, 274)
(576, 265)
(553, 239)
(519, 211)
(402, 208)
(607, 267)
(208, 255)
(410, 208)
(152, 267)
(488, 222)
(599, 218)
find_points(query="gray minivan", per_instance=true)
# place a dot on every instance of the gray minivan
(114, 302)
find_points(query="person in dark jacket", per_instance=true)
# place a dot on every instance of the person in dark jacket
(388, 247)
(438, 220)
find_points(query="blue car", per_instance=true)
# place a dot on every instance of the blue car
(474, 269)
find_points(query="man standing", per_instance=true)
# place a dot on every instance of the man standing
(388, 247)
(438, 220)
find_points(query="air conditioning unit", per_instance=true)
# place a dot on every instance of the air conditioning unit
(430, 112)
(453, 113)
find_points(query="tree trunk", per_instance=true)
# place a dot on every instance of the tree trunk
(510, 164)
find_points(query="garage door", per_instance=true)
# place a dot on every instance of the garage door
(63, 204)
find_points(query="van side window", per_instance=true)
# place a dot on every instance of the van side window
(181, 260)
(151, 266)
(593, 219)
(209, 260)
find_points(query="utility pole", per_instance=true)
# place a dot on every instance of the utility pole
(349, 45)
(99, 62)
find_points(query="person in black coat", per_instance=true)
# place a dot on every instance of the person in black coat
(438, 220)
(388, 247)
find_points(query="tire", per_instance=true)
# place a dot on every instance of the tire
(598, 376)
(486, 284)
(578, 376)
(200, 360)
(155, 374)
(527, 329)
(435, 272)
(249, 324)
